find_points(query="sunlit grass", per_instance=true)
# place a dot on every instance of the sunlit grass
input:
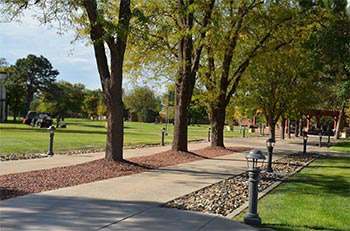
(318, 198)
(80, 134)
(343, 146)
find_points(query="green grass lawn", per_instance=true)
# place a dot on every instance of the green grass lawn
(17, 138)
(343, 146)
(317, 198)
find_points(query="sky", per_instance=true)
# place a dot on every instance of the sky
(75, 62)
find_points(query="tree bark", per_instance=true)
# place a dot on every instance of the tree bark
(340, 120)
(217, 123)
(14, 115)
(272, 126)
(301, 127)
(289, 133)
(283, 128)
(182, 99)
(30, 96)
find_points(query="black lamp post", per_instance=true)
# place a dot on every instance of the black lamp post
(51, 130)
(305, 142)
(209, 134)
(163, 134)
(244, 132)
(270, 144)
(329, 137)
(255, 159)
(320, 135)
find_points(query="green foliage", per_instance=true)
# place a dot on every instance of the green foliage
(63, 99)
(16, 93)
(142, 100)
(330, 46)
(280, 82)
(92, 99)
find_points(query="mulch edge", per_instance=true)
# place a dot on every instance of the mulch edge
(145, 168)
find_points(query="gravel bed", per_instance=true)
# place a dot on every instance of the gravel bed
(227, 195)
(18, 184)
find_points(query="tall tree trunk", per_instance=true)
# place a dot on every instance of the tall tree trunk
(30, 96)
(111, 78)
(340, 120)
(283, 128)
(185, 81)
(14, 114)
(181, 119)
(289, 136)
(189, 59)
(115, 126)
(272, 125)
(301, 127)
(217, 123)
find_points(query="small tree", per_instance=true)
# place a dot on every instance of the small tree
(15, 92)
(63, 99)
(35, 73)
(91, 102)
(144, 103)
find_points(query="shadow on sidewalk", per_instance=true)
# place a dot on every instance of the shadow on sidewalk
(45, 212)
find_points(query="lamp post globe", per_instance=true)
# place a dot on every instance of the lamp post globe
(255, 159)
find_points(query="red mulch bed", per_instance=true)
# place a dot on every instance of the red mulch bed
(19, 184)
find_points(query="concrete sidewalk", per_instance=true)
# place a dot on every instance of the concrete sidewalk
(125, 203)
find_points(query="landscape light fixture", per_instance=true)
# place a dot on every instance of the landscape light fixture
(305, 142)
(255, 159)
(163, 134)
(51, 130)
(270, 144)
(209, 134)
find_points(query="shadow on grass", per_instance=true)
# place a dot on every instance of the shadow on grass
(284, 227)
(44, 130)
(320, 183)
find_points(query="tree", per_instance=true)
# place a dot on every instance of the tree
(91, 102)
(245, 30)
(106, 23)
(331, 56)
(15, 92)
(35, 73)
(143, 102)
(173, 40)
(63, 99)
(279, 83)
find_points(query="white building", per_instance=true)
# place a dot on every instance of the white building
(3, 111)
